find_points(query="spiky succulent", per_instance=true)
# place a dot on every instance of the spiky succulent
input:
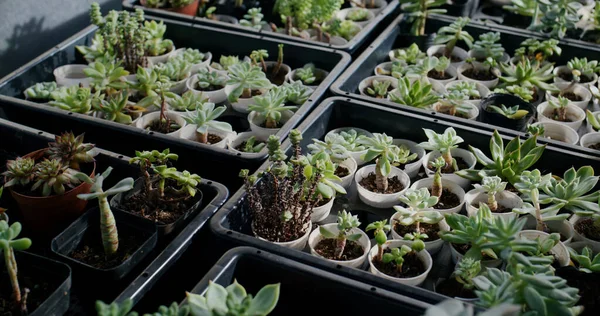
(75, 99)
(188, 101)
(53, 176)
(19, 172)
(297, 92)
(512, 112)
(71, 150)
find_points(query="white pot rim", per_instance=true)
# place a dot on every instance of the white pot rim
(316, 234)
(387, 245)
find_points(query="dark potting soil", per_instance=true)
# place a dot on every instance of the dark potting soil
(135, 98)
(241, 146)
(278, 78)
(438, 75)
(587, 229)
(341, 171)
(322, 202)
(501, 208)
(587, 283)
(555, 117)
(39, 101)
(447, 200)
(156, 126)
(326, 248)
(213, 139)
(264, 125)
(453, 58)
(39, 291)
(412, 266)
(568, 76)
(432, 230)
(166, 210)
(451, 287)
(569, 95)
(91, 251)
(394, 184)
(595, 146)
(209, 88)
(480, 75)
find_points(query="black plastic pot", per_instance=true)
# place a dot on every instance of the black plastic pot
(493, 118)
(163, 229)
(104, 133)
(170, 251)
(397, 36)
(232, 222)
(227, 7)
(87, 228)
(36, 270)
(588, 285)
(303, 286)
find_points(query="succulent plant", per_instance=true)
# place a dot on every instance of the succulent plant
(379, 89)
(271, 105)
(246, 78)
(253, 19)
(530, 184)
(443, 143)
(380, 229)
(582, 68)
(574, 192)
(187, 101)
(233, 300)
(345, 223)
(70, 150)
(117, 108)
(380, 147)
(411, 55)
(491, 186)
(148, 81)
(451, 34)
(206, 79)
(416, 94)
(586, 260)
(467, 88)
(107, 76)
(559, 108)
(512, 112)
(253, 146)
(20, 171)
(306, 74)
(297, 92)
(437, 185)
(225, 62)
(8, 244)
(396, 255)
(40, 91)
(52, 177)
(176, 69)
(418, 11)
(527, 72)
(333, 145)
(419, 203)
(524, 92)
(155, 45)
(192, 56)
(75, 99)
(320, 169)
(454, 103)
(205, 117)
(488, 46)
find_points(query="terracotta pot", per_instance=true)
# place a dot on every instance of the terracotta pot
(47, 215)
(190, 9)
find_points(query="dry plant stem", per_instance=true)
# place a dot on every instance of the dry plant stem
(203, 138)
(327, 37)
(447, 155)
(436, 187)
(492, 203)
(540, 225)
(279, 62)
(561, 113)
(274, 28)
(319, 32)
(289, 25)
(380, 180)
(24, 302)
(379, 253)
(339, 247)
(11, 266)
(247, 93)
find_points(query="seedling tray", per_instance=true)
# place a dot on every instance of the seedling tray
(19, 140)
(366, 35)
(125, 139)
(232, 222)
(304, 286)
(397, 36)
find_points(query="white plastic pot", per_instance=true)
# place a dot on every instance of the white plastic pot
(333, 40)
(504, 198)
(315, 237)
(451, 186)
(195, 67)
(589, 139)
(574, 113)
(593, 244)
(380, 200)
(320, 213)
(560, 250)
(344, 12)
(564, 227)
(382, 68)
(588, 127)
(298, 244)
(145, 120)
(318, 73)
(432, 246)
(241, 105)
(160, 59)
(285, 68)
(504, 59)
(560, 132)
(483, 91)
(466, 155)
(412, 169)
(179, 87)
(472, 114)
(242, 137)
(189, 132)
(582, 91)
(255, 120)
(565, 69)
(351, 165)
(457, 52)
(451, 70)
(217, 96)
(367, 82)
(489, 263)
(423, 255)
(490, 84)
(71, 75)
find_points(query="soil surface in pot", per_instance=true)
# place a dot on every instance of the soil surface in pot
(156, 126)
(595, 146)
(352, 250)
(39, 291)
(210, 139)
(90, 250)
(438, 75)
(501, 208)
(569, 95)
(587, 283)
(341, 171)
(165, 210)
(412, 266)
(431, 230)
(279, 77)
(447, 200)
(587, 229)
(456, 114)
(241, 146)
(568, 76)
(394, 184)
(453, 58)
(451, 287)
(480, 75)
(209, 88)
(389, 89)
(277, 125)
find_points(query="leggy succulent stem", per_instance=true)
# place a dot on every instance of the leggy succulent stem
(270, 123)
(447, 155)
(492, 203)
(540, 225)
(108, 227)
(279, 60)
(421, 20)
(203, 137)
(436, 187)
(379, 253)
(340, 246)
(264, 65)
(562, 114)
(380, 180)
(289, 25)
(11, 266)
(246, 93)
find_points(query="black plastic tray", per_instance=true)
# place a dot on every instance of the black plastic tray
(20, 140)
(305, 288)
(365, 36)
(105, 133)
(396, 36)
(232, 222)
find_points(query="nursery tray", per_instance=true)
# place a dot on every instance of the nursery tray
(396, 36)
(305, 288)
(366, 35)
(19, 140)
(232, 222)
(125, 139)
